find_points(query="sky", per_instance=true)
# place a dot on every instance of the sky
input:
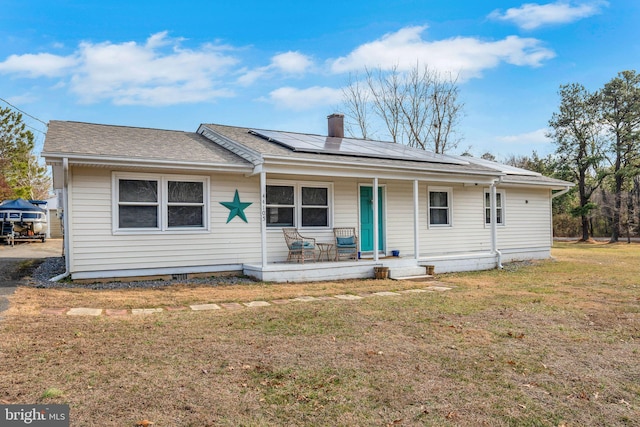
(281, 65)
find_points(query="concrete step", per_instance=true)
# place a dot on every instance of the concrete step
(406, 271)
(419, 278)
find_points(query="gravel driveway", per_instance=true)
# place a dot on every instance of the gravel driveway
(13, 262)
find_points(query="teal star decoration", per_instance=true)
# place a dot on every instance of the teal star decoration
(236, 208)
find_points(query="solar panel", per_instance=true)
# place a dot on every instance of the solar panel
(509, 170)
(305, 143)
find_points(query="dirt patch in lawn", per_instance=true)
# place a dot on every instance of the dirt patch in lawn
(552, 343)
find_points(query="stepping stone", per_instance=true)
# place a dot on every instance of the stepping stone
(203, 307)
(55, 311)
(256, 304)
(386, 294)
(115, 312)
(348, 297)
(231, 305)
(145, 310)
(438, 288)
(84, 312)
(407, 291)
(177, 308)
(281, 301)
(305, 299)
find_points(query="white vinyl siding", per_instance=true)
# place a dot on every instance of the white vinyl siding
(469, 235)
(95, 247)
(529, 222)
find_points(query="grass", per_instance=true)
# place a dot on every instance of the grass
(538, 344)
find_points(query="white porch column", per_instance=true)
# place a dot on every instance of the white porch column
(416, 222)
(375, 219)
(263, 217)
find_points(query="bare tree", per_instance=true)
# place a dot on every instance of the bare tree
(357, 106)
(446, 113)
(420, 107)
(387, 96)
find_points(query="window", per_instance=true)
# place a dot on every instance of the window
(280, 206)
(138, 203)
(439, 206)
(315, 207)
(185, 204)
(298, 205)
(160, 203)
(499, 207)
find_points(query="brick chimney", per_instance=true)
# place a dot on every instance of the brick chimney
(336, 125)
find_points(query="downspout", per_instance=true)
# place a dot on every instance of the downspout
(553, 196)
(263, 217)
(416, 221)
(65, 220)
(494, 224)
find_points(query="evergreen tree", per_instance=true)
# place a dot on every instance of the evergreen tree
(620, 103)
(575, 129)
(21, 174)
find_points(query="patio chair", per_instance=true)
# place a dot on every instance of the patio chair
(300, 248)
(346, 242)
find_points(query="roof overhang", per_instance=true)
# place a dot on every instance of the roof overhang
(54, 159)
(346, 169)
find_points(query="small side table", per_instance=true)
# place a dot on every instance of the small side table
(325, 250)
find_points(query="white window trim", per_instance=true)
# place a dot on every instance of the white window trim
(297, 203)
(449, 191)
(503, 207)
(163, 217)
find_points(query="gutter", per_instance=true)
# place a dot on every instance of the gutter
(65, 221)
(561, 192)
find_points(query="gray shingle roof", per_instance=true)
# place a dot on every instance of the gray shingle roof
(97, 141)
(107, 141)
(476, 166)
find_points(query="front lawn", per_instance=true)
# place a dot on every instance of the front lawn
(538, 344)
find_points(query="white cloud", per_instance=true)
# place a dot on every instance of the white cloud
(288, 63)
(38, 65)
(25, 98)
(535, 137)
(291, 62)
(158, 72)
(532, 15)
(305, 99)
(467, 56)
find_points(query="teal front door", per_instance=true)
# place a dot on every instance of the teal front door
(366, 219)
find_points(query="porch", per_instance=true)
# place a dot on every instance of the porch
(400, 268)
